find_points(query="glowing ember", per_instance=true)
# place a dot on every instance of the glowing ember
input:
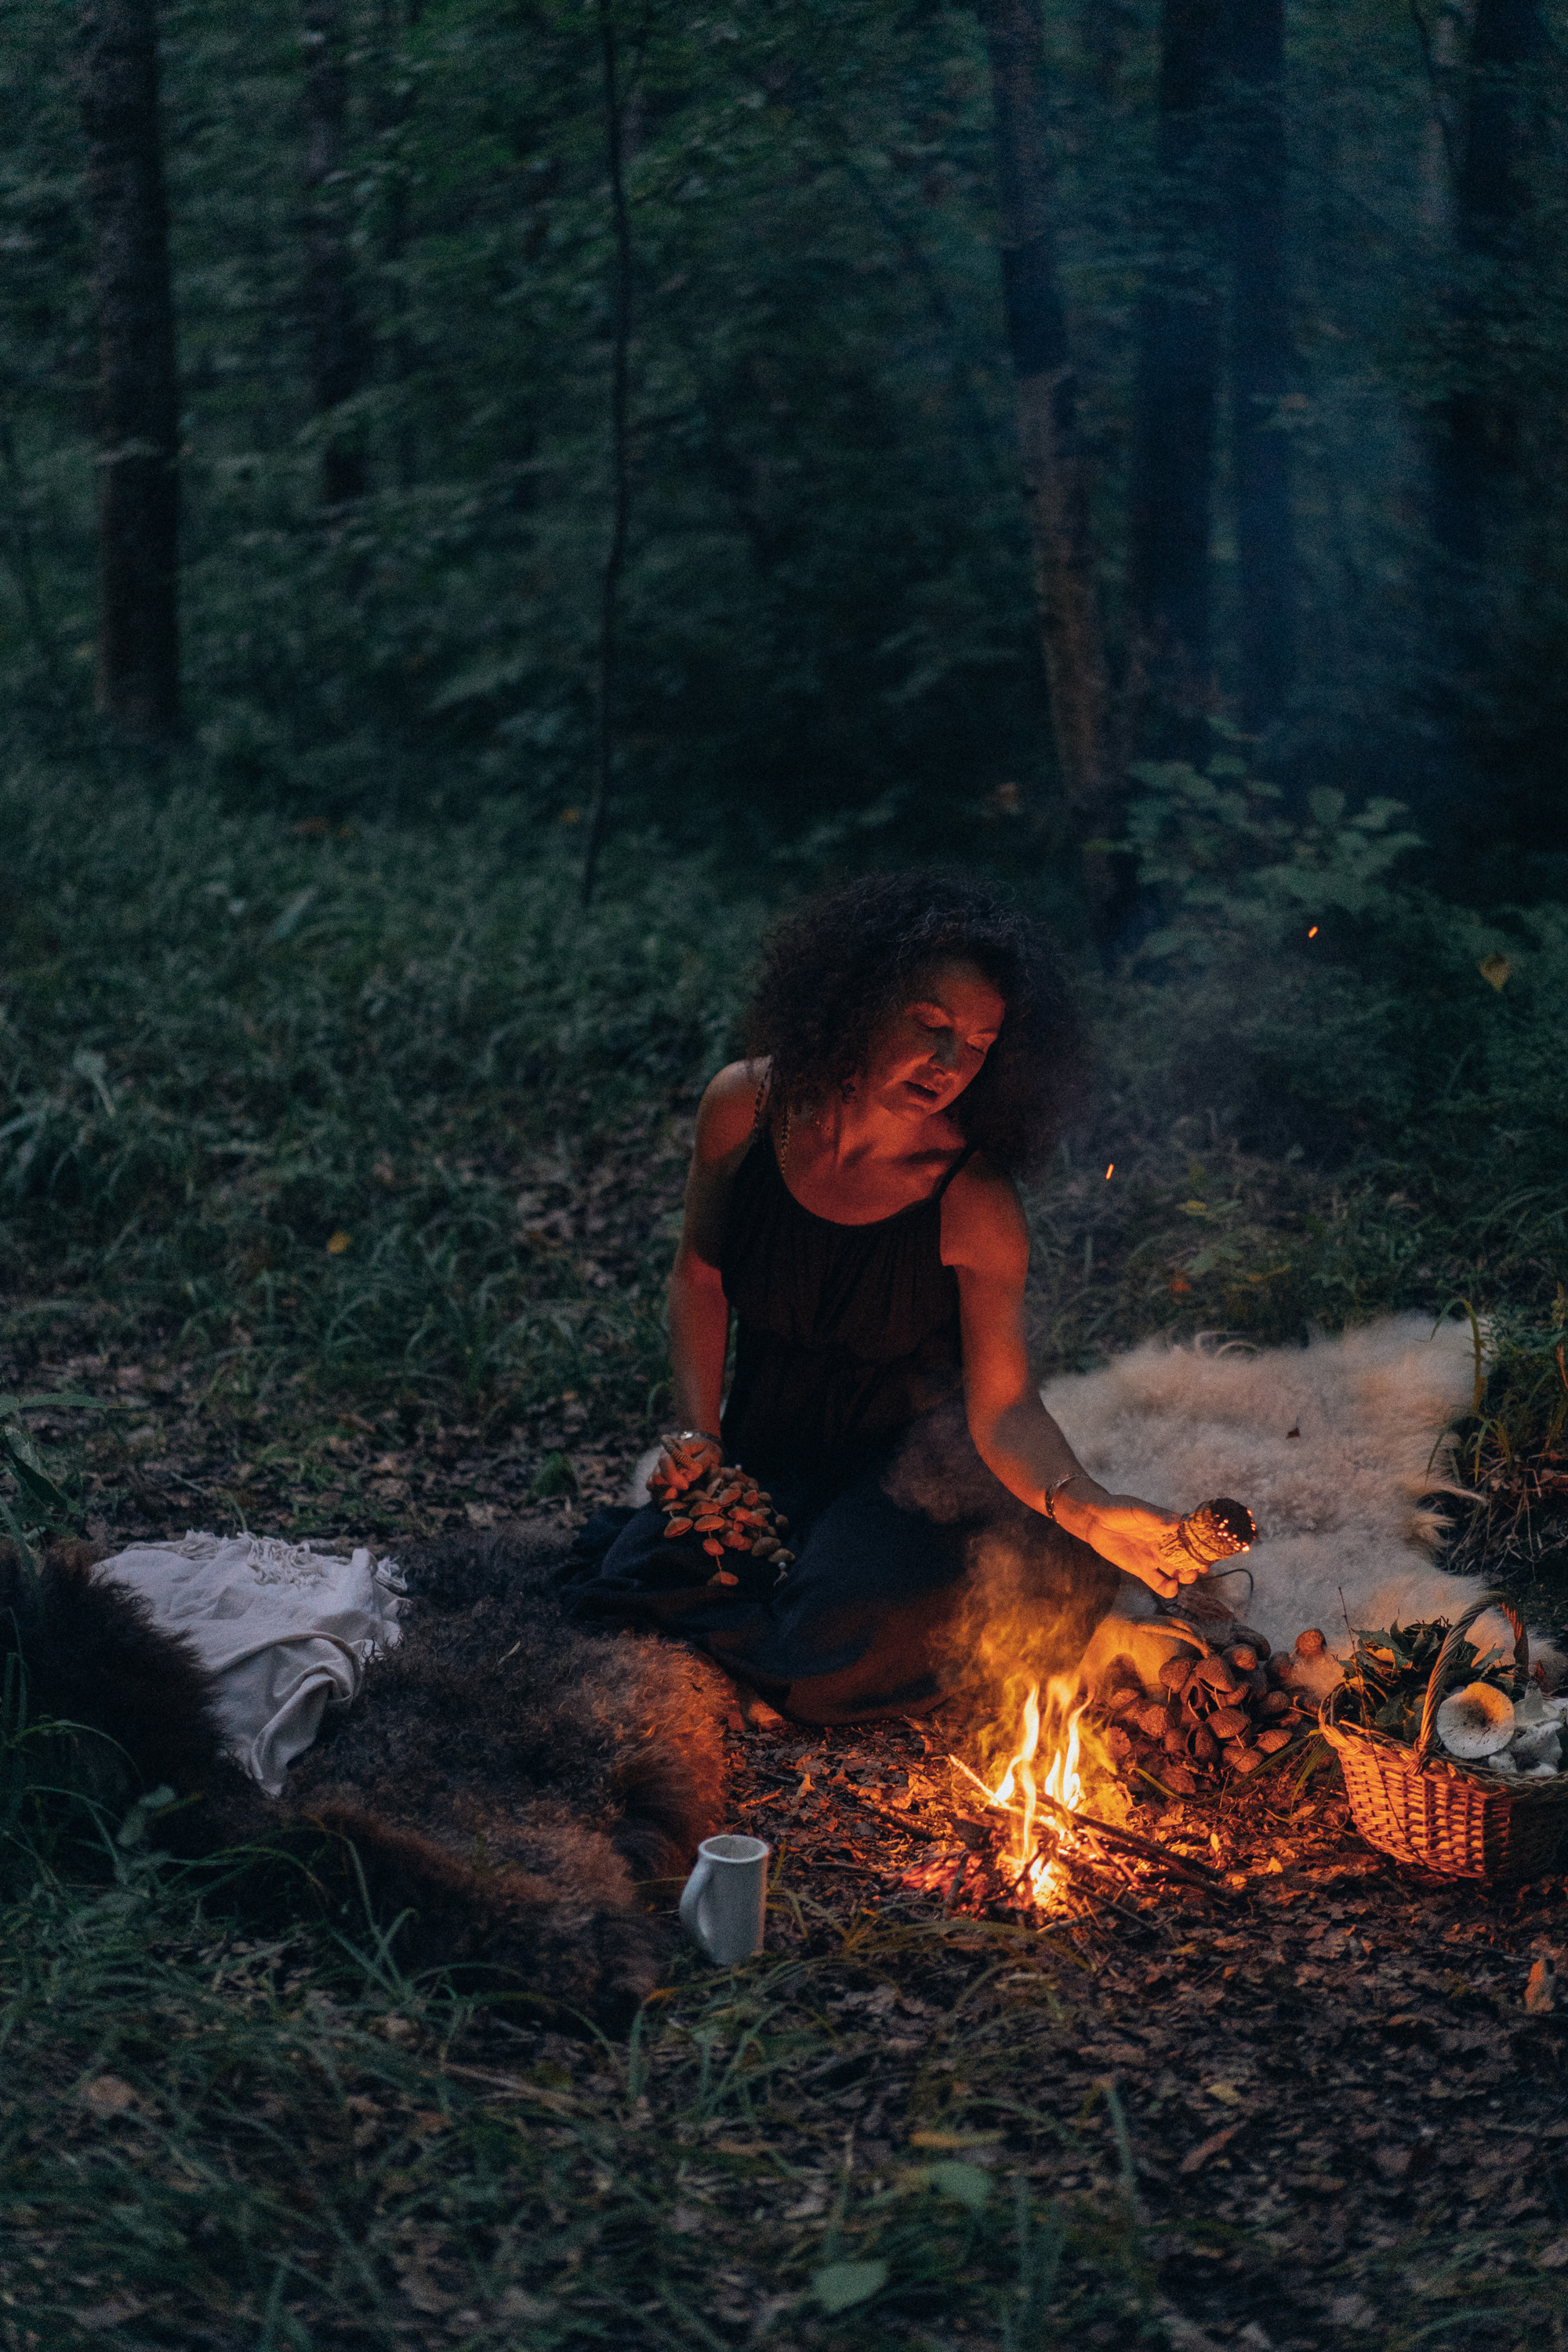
(1039, 1835)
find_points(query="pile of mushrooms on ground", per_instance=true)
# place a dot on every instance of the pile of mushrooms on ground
(1221, 1708)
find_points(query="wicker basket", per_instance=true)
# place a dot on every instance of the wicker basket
(1443, 1816)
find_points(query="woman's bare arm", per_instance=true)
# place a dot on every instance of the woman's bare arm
(986, 1242)
(698, 1311)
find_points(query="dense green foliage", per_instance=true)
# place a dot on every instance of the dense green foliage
(828, 620)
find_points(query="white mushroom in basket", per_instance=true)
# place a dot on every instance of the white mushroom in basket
(1476, 1721)
(1541, 1744)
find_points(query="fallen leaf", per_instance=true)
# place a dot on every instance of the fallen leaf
(1195, 2157)
(427, 2294)
(1541, 1993)
(965, 2183)
(1225, 2092)
(108, 2095)
(113, 2313)
(1184, 2334)
(839, 2286)
(338, 1242)
(1495, 969)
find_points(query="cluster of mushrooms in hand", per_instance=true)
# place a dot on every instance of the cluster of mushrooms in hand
(1223, 1709)
(725, 1508)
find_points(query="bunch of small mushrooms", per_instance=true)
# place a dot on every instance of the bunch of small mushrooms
(724, 1509)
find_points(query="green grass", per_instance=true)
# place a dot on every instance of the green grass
(880, 2132)
(228, 1044)
(212, 2139)
(292, 1105)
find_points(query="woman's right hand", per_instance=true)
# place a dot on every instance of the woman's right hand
(683, 1460)
(1139, 1539)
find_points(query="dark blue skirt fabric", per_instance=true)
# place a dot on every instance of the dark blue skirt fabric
(870, 1619)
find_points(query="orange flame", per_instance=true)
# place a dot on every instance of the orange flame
(1038, 1838)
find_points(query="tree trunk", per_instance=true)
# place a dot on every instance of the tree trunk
(1176, 394)
(1055, 478)
(1476, 441)
(607, 664)
(139, 482)
(396, 114)
(338, 343)
(1262, 362)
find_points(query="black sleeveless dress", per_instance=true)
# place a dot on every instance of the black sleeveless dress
(845, 1334)
(846, 1403)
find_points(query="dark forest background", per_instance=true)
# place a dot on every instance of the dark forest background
(463, 303)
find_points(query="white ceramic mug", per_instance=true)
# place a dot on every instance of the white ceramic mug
(726, 1898)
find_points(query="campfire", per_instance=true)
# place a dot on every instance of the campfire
(1048, 1849)
(1040, 1834)
(1035, 1850)
(1030, 1823)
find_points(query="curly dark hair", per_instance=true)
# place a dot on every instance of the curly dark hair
(835, 969)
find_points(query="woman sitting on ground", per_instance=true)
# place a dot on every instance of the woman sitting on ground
(851, 1202)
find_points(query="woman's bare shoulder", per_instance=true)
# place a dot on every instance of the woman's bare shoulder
(982, 1221)
(729, 1109)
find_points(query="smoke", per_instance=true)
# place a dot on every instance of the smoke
(1031, 1594)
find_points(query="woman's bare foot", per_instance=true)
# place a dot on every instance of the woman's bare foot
(756, 1711)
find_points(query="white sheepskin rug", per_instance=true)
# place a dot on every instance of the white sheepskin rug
(1334, 1446)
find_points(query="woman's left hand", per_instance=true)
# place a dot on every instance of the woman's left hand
(1141, 1539)
(683, 1461)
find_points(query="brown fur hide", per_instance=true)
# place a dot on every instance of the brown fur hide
(506, 1781)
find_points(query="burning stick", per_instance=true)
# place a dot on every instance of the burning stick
(1197, 1874)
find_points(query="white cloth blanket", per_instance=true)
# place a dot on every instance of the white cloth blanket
(280, 1627)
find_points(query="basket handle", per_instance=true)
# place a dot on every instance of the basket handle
(1445, 1674)
(1329, 1706)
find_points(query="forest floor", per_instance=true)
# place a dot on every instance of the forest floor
(358, 1229)
(1308, 2109)
(1313, 2108)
